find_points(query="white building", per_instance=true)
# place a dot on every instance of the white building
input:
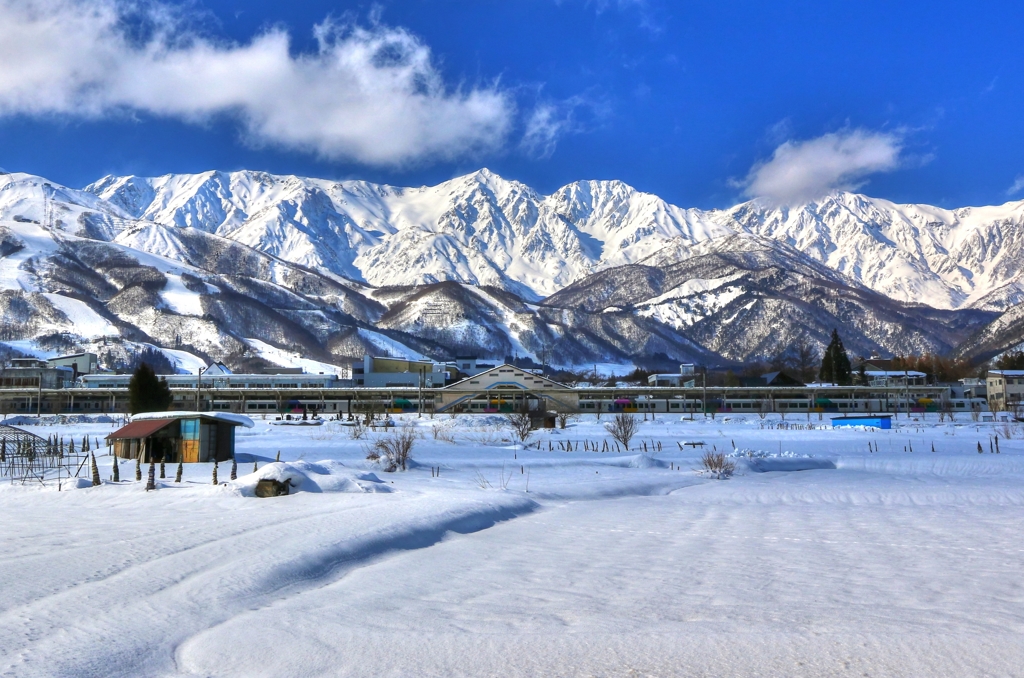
(1005, 390)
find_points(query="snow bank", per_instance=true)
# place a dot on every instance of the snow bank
(57, 420)
(304, 476)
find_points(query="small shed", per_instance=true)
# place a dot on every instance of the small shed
(874, 420)
(179, 436)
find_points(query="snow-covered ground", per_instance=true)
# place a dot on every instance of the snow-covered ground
(816, 558)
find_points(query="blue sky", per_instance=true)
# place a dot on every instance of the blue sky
(703, 103)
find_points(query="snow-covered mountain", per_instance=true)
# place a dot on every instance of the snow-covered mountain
(484, 230)
(478, 229)
(244, 264)
(749, 297)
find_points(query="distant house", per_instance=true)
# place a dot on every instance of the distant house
(778, 378)
(34, 373)
(80, 363)
(676, 380)
(890, 378)
(471, 365)
(178, 436)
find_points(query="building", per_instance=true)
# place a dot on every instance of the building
(187, 437)
(973, 387)
(685, 378)
(400, 372)
(669, 379)
(471, 366)
(1005, 390)
(895, 377)
(507, 388)
(81, 363)
(34, 373)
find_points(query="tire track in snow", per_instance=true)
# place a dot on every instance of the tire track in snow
(134, 619)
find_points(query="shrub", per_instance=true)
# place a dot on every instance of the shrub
(393, 449)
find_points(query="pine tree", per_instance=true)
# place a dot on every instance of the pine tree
(162, 468)
(835, 364)
(177, 475)
(117, 471)
(138, 467)
(214, 471)
(234, 469)
(146, 393)
(255, 466)
(151, 480)
(95, 470)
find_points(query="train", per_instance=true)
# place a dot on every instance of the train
(684, 405)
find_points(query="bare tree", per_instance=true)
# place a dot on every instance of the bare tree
(563, 418)
(763, 407)
(623, 427)
(805, 359)
(945, 408)
(520, 423)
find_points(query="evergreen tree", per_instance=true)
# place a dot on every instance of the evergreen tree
(117, 471)
(1011, 360)
(146, 393)
(835, 364)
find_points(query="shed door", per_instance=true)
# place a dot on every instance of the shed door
(190, 440)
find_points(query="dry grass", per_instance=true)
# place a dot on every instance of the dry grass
(717, 465)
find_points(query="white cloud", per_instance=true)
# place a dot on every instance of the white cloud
(543, 129)
(801, 171)
(1018, 186)
(372, 95)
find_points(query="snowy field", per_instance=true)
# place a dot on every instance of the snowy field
(817, 558)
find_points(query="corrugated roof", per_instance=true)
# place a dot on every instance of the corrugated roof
(140, 429)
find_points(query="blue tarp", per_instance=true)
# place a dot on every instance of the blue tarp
(876, 421)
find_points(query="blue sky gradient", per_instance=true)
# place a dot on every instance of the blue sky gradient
(680, 99)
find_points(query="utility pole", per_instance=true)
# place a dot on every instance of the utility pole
(199, 381)
(419, 405)
(704, 386)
